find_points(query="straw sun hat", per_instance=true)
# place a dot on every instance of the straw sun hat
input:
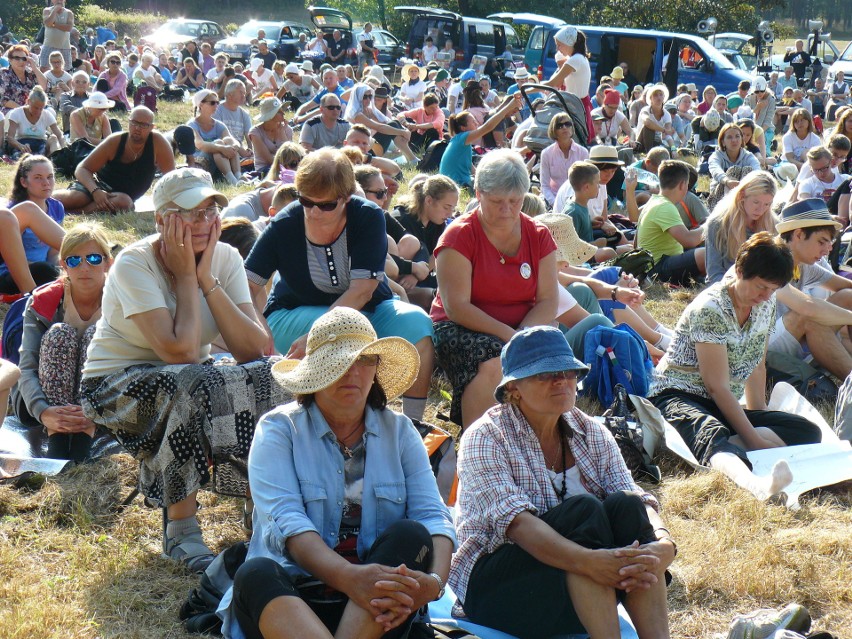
(569, 247)
(335, 341)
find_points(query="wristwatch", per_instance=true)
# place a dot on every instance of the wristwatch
(441, 586)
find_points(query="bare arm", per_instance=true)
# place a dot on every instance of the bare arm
(510, 105)
(685, 237)
(544, 310)
(814, 308)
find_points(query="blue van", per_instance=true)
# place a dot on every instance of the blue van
(697, 60)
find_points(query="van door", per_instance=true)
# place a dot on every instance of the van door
(639, 52)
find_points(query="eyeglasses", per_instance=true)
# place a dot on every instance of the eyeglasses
(822, 169)
(115, 62)
(380, 194)
(368, 96)
(332, 107)
(555, 376)
(140, 125)
(322, 206)
(367, 360)
(197, 215)
(19, 58)
(93, 259)
(292, 166)
(214, 102)
(564, 125)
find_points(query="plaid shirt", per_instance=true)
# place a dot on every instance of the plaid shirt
(502, 473)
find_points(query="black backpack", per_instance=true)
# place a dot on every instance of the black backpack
(431, 160)
(198, 612)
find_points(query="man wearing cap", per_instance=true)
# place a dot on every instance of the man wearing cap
(705, 132)
(762, 103)
(613, 122)
(522, 77)
(326, 129)
(120, 169)
(803, 319)
(438, 87)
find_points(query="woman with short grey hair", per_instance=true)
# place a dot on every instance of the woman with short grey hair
(502, 171)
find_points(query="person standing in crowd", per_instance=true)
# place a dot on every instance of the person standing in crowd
(574, 73)
(58, 23)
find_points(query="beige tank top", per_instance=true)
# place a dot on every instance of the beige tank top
(56, 38)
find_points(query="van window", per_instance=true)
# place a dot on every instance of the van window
(441, 30)
(513, 39)
(536, 41)
(485, 35)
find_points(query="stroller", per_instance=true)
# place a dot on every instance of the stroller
(536, 138)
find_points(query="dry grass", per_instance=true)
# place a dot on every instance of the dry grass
(72, 564)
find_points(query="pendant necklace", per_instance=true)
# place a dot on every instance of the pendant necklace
(347, 452)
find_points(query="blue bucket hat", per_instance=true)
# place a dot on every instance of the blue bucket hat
(539, 349)
(467, 74)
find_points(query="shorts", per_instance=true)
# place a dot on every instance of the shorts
(781, 341)
(78, 186)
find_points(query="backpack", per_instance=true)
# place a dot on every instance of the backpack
(441, 448)
(814, 386)
(616, 355)
(13, 330)
(146, 96)
(66, 160)
(198, 612)
(625, 428)
(638, 262)
(431, 160)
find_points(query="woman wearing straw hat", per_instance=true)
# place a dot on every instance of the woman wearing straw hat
(148, 378)
(553, 532)
(90, 121)
(270, 132)
(345, 543)
(573, 74)
(413, 87)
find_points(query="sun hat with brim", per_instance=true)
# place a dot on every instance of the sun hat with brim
(377, 72)
(268, 108)
(187, 188)
(690, 86)
(617, 73)
(534, 350)
(293, 68)
(603, 154)
(786, 171)
(522, 74)
(421, 71)
(335, 341)
(569, 247)
(805, 214)
(308, 66)
(98, 101)
(650, 89)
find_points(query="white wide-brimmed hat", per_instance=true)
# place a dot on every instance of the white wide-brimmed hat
(268, 108)
(98, 101)
(335, 341)
(308, 66)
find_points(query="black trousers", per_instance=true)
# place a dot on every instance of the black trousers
(260, 580)
(706, 431)
(41, 272)
(510, 590)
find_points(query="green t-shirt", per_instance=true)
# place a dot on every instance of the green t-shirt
(582, 221)
(658, 216)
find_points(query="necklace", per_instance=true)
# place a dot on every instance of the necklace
(347, 452)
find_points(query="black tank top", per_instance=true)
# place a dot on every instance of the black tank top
(134, 178)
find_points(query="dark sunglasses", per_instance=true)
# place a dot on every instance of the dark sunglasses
(94, 259)
(332, 107)
(556, 376)
(368, 96)
(292, 166)
(565, 125)
(322, 206)
(115, 61)
(210, 101)
(380, 194)
(19, 58)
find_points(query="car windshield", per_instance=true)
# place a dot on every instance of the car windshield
(250, 29)
(714, 54)
(180, 27)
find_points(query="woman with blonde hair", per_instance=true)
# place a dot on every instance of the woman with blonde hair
(801, 138)
(59, 322)
(744, 211)
(285, 163)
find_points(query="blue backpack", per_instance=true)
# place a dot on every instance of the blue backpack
(616, 355)
(13, 329)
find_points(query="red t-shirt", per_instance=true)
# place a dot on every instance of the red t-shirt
(501, 290)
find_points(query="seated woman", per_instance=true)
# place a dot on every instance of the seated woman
(167, 297)
(457, 161)
(32, 128)
(330, 251)
(552, 530)
(655, 122)
(90, 121)
(746, 210)
(190, 77)
(717, 354)
(59, 322)
(19, 78)
(270, 132)
(754, 141)
(31, 230)
(730, 153)
(284, 164)
(361, 564)
(474, 103)
(360, 110)
(413, 87)
(557, 158)
(496, 273)
(112, 82)
(801, 138)
(216, 151)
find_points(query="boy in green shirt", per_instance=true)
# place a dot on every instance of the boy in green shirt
(662, 231)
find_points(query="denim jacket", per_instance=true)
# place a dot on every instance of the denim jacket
(297, 484)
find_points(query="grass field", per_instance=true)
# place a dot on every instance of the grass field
(73, 565)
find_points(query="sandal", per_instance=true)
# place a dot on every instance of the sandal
(188, 548)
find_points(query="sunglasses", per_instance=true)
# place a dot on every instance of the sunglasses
(215, 102)
(555, 376)
(93, 259)
(19, 58)
(197, 215)
(292, 166)
(565, 125)
(368, 96)
(367, 360)
(332, 107)
(322, 206)
(380, 194)
(115, 61)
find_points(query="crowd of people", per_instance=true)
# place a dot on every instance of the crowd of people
(276, 327)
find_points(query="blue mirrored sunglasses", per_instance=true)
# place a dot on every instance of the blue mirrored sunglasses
(94, 259)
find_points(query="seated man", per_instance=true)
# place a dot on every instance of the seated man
(331, 85)
(120, 169)
(585, 180)
(328, 128)
(73, 99)
(662, 231)
(651, 164)
(803, 319)
(824, 179)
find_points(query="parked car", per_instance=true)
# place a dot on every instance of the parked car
(842, 63)
(179, 30)
(644, 51)
(390, 48)
(282, 37)
(470, 36)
